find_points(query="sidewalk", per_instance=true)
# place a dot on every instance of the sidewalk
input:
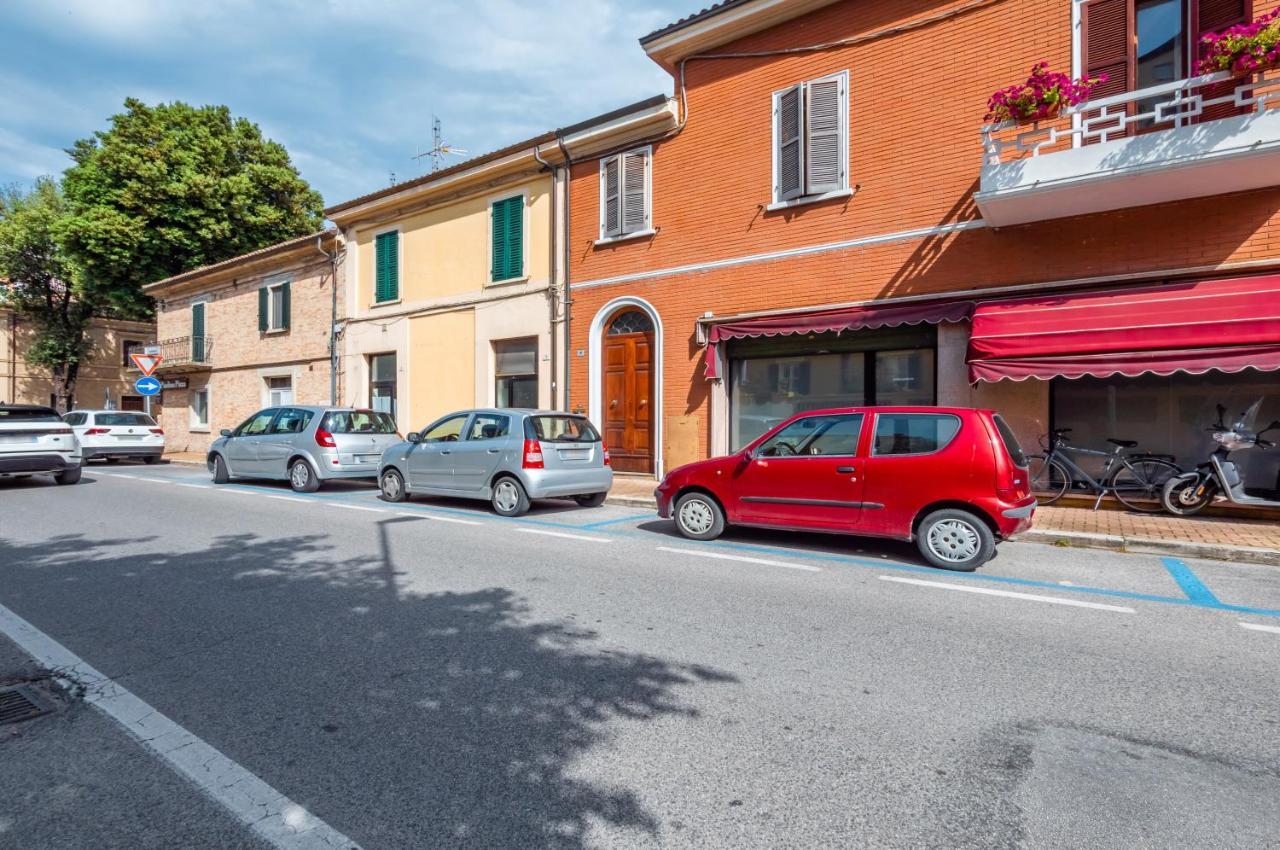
(1249, 541)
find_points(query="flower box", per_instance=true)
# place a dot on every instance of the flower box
(1243, 49)
(1041, 98)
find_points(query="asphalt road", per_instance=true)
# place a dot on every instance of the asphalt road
(431, 675)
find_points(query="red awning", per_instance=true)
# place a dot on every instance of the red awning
(1224, 325)
(866, 317)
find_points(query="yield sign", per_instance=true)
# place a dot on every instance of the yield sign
(146, 363)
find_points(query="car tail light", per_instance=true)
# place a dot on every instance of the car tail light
(325, 439)
(93, 432)
(159, 431)
(605, 449)
(532, 455)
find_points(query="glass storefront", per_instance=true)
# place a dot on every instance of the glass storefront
(771, 379)
(382, 383)
(516, 373)
(1170, 415)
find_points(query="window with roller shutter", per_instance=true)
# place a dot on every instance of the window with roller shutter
(626, 195)
(811, 139)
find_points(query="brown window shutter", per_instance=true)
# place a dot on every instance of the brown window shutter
(1215, 16)
(1107, 47)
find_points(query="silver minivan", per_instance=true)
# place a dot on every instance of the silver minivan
(303, 445)
(503, 455)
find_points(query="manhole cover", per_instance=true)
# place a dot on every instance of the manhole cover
(18, 704)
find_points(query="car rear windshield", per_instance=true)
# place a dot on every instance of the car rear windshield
(115, 420)
(561, 429)
(1011, 444)
(358, 422)
(29, 414)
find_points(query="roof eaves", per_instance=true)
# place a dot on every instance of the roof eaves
(689, 20)
(242, 259)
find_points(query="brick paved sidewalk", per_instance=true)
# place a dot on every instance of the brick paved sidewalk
(1256, 541)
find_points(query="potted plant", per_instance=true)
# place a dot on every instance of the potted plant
(1043, 96)
(1244, 48)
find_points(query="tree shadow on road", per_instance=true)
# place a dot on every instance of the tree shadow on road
(431, 720)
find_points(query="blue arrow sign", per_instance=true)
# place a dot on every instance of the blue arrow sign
(147, 385)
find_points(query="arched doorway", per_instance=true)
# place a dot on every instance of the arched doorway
(628, 359)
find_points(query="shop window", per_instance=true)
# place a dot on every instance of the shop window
(1169, 415)
(905, 377)
(516, 373)
(382, 383)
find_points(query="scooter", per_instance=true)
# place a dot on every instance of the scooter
(1218, 477)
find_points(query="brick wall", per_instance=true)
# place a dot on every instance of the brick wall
(916, 104)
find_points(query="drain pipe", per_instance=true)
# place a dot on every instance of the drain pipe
(567, 294)
(551, 290)
(333, 318)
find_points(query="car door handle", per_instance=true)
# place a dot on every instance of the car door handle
(493, 451)
(844, 470)
(444, 451)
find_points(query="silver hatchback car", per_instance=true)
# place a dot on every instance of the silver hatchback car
(303, 445)
(505, 456)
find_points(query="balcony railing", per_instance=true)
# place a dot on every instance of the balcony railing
(1200, 136)
(183, 353)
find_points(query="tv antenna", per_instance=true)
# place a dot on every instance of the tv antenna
(439, 149)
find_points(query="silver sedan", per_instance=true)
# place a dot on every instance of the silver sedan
(507, 457)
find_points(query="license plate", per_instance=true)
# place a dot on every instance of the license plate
(575, 454)
(18, 438)
(367, 458)
(128, 436)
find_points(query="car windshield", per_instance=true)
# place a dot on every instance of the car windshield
(358, 422)
(121, 419)
(28, 414)
(563, 429)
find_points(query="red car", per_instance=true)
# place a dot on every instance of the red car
(953, 479)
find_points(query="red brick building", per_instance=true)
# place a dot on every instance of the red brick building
(829, 223)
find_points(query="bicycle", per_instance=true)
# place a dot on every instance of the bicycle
(1136, 480)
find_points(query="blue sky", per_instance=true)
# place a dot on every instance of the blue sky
(348, 86)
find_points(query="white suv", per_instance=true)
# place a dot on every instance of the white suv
(34, 440)
(113, 434)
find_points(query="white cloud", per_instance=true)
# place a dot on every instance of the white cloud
(27, 160)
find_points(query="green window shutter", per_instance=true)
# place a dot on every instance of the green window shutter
(197, 333)
(284, 305)
(262, 309)
(387, 275)
(508, 238)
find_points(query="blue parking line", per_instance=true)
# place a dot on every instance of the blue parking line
(1190, 583)
(605, 522)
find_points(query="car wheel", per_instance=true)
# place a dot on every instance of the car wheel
(69, 476)
(590, 500)
(150, 459)
(955, 540)
(301, 478)
(509, 497)
(218, 469)
(391, 483)
(698, 517)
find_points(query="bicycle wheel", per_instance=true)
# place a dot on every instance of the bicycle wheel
(1049, 479)
(1139, 482)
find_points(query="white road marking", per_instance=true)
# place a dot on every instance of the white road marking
(1275, 630)
(1031, 597)
(154, 480)
(194, 486)
(354, 507)
(287, 498)
(439, 518)
(723, 557)
(119, 475)
(567, 536)
(274, 817)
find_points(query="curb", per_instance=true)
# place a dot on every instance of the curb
(632, 502)
(1151, 546)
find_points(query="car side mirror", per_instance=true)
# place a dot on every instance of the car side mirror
(413, 437)
(226, 432)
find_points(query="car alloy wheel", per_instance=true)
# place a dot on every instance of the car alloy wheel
(696, 516)
(391, 489)
(299, 475)
(954, 540)
(506, 496)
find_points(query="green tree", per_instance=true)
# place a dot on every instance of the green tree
(42, 283)
(172, 187)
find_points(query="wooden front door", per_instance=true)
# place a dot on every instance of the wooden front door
(628, 390)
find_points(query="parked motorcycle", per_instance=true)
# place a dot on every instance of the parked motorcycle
(1218, 477)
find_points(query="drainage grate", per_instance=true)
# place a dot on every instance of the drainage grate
(18, 704)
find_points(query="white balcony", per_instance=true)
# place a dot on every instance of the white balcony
(1163, 143)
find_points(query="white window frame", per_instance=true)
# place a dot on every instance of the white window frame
(274, 323)
(373, 279)
(194, 424)
(604, 237)
(844, 191)
(525, 239)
